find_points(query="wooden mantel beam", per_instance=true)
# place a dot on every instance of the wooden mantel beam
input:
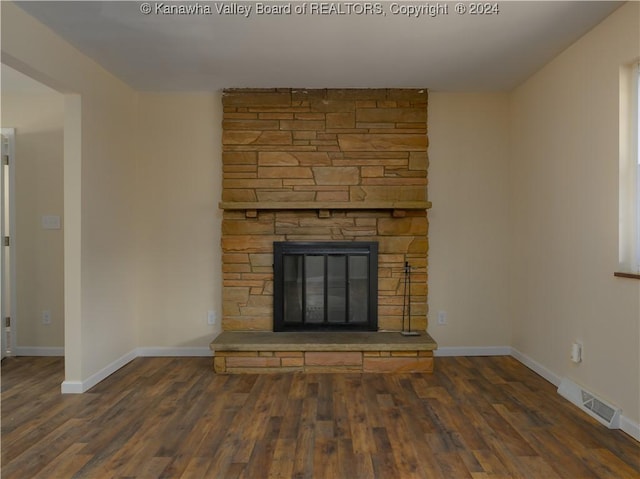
(325, 205)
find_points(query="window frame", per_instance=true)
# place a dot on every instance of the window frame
(629, 191)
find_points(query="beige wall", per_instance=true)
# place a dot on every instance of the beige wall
(38, 120)
(468, 223)
(99, 162)
(564, 200)
(178, 222)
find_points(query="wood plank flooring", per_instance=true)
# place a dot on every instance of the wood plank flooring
(173, 418)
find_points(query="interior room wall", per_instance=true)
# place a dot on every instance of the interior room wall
(469, 219)
(564, 210)
(178, 222)
(38, 120)
(100, 110)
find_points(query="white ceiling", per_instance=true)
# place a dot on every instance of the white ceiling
(449, 52)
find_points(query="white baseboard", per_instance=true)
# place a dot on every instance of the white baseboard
(500, 351)
(606, 414)
(71, 387)
(79, 387)
(536, 367)
(37, 351)
(173, 352)
(626, 425)
(473, 351)
(630, 427)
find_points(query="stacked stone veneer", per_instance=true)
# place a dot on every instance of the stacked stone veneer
(324, 147)
(253, 362)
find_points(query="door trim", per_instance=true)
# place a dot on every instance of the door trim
(9, 133)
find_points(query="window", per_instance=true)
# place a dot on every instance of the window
(629, 221)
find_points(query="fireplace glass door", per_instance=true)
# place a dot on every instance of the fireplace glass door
(325, 286)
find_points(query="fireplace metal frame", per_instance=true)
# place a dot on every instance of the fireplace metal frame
(359, 248)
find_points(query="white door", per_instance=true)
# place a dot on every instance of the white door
(6, 266)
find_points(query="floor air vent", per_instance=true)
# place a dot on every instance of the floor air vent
(595, 407)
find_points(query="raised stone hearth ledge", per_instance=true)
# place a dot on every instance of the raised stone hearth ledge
(352, 352)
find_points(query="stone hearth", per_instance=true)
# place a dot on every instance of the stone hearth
(253, 352)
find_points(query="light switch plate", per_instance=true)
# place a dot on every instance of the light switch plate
(51, 222)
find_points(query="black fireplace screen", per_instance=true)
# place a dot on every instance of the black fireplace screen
(325, 286)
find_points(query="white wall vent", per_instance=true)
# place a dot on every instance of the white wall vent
(600, 410)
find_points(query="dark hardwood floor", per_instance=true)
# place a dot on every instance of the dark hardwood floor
(174, 418)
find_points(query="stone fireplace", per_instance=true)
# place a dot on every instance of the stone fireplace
(324, 166)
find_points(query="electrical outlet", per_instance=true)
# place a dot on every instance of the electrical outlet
(576, 352)
(46, 317)
(442, 317)
(211, 318)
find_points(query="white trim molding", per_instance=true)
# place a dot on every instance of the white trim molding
(626, 425)
(629, 427)
(71, 387)
(473, 351)
(174, 352)
(536, 367)
(37, 351)
(605, 413)
(79, 387)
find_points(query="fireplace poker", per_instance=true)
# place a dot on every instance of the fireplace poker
(406, 305)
